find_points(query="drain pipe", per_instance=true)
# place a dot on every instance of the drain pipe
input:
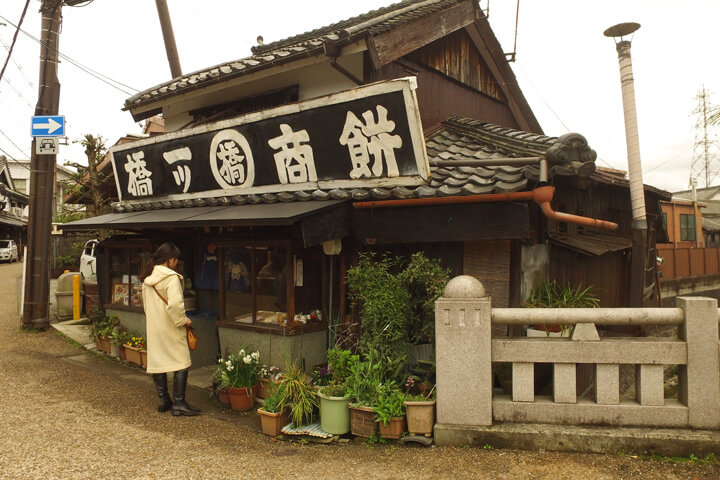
(541, 195)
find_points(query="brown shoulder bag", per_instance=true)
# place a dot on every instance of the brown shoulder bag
(192, 340)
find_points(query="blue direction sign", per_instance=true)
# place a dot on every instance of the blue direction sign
(48, 126)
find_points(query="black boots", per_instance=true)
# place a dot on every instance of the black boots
(160, 380)
(179, 406)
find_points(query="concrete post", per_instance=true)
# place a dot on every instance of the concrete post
(462, 352)
(698, 380)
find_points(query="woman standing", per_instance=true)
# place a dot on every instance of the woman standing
(167, 348)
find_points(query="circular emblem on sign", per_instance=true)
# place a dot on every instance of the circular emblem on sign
(231, 160)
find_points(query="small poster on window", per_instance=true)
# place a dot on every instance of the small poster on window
(136, 299)
(121, 293)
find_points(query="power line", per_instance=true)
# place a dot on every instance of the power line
(103, 78)
(12, 45)
(14, 144)
(14, 159)
(7, 47)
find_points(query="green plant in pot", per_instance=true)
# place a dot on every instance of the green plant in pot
(243, 370)
(552, 295)
(334, 411)
(363, 383)
(390, 412)
(298, 395)
(273, 416)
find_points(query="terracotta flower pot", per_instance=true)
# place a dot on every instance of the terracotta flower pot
(103, 344)
(242, 399)
(394, 428)
(420, 417)
(136, 355)
(272, 423)
(223, 396)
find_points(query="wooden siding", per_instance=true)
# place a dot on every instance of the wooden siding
(440, 97)
(489, 262)
(456, 56)
(608, 274)
(683, 262)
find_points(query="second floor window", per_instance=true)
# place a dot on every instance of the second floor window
(687, 228)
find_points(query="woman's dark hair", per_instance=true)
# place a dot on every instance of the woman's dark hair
(165, 252)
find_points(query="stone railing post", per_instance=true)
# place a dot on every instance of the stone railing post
(462, 352)
(698, 380)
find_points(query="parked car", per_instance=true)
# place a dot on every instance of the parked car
(8, 250)
(87, 260)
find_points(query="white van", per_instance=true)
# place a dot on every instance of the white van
(87, 260)
(8, 250)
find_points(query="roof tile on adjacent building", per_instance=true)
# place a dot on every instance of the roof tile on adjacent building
(293, 48)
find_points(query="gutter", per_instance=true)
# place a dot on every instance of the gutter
(540, 195)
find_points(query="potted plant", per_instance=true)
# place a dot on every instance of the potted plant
(273, 417)
(269, 378)
(363, 383)
(118, 336)
(135, 349)
(243, 368)
(101, 329)
(552, 295)
(221, 380)
(420, 413)
(297, 395)
(334, 408)
(390, 412)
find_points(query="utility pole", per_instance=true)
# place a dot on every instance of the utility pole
(42, 173)
(169, 37)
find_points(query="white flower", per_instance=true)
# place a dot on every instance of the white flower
(242, 352)
(255, 355)
(247, 359)
(228, 363)
(230, 368)
(220, 360)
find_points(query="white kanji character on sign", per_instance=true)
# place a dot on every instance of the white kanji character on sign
(182, 174)
(231, 159)
(371, 139)
(294, 161)
(139, 182)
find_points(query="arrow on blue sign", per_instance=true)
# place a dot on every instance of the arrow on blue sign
(48, 126)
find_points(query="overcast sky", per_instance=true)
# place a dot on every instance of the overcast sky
(566, 68)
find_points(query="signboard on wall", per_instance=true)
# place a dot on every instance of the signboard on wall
(366, 137)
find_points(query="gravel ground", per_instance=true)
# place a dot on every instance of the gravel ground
(60, 420)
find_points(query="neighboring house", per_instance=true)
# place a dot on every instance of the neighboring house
(709, 199)
(683, 220)
(13, 206)
(153, 126)
(20, 170)
(265, 237)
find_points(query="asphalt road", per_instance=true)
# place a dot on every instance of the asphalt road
(61, 420)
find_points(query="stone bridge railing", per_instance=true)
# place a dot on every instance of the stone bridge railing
(466, 352)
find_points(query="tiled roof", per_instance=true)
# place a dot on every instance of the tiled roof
(293, 48)
(458, 139)
(703, 194)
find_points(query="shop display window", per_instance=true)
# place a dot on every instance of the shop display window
(126, 269)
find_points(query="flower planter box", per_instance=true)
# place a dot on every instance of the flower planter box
(362, 421)
(136, 355)
(394, 429)
(334, 414)
(116, 349)
(242, 399)
(272, 423)
(103, 344)
(420, 417)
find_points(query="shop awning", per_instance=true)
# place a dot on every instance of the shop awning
(277, 214)
(6, 220)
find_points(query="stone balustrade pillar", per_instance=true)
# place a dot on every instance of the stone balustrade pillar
(463, 325)
(698, 380)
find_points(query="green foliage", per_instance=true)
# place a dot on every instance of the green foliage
(298, 395)
(334, 390)
(552, 295)
(425, 281)
(272, 402)
(66, 216)
(340, 363)
(384, 305)
(364, 382)
(103, 327)
(243, 368)
(389, 404)
(65, 261)
(96, 314)
(487, 446)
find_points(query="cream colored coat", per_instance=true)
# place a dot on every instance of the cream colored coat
(167, 349)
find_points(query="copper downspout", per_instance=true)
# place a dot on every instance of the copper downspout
(541, 195)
